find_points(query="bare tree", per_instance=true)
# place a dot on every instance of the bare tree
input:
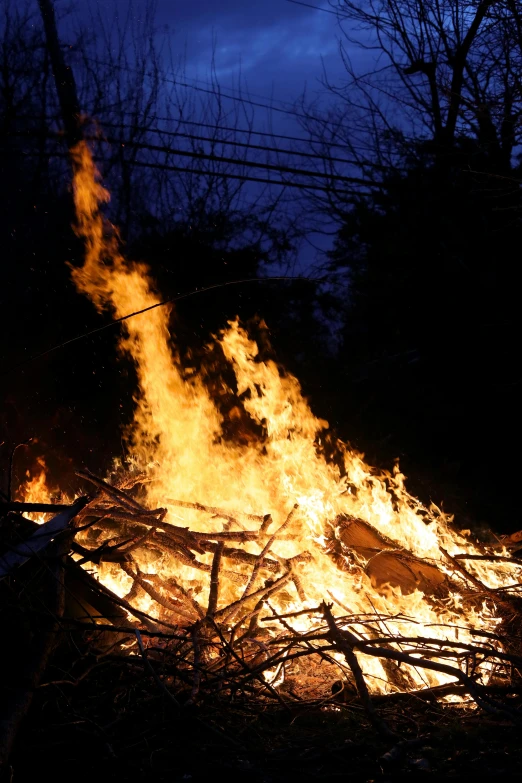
(168, 152)
(422, 75)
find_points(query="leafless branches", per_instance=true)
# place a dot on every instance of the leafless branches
(225, 646)
(199, 640)
(133, 90)
(419, 75)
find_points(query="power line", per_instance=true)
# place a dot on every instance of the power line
(192, 84)
(248, 131)
(245, 178)
(171, 300)
(219, 93)
(268, 134)
(217, 159)
(208, 82)
(247, 145)
(315, 7)
(230, 142)
(236, 161)
(236, 130)
(224, 175)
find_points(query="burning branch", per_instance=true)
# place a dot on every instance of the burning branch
(128, 535)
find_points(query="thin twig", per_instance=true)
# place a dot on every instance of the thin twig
(264, 552)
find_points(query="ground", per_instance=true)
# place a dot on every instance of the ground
(131, 734)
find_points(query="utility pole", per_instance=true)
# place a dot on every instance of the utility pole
(63, 77)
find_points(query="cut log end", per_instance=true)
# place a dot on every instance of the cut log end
(388, 564)
(400, 569)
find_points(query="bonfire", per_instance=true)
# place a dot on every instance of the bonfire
(256, 567)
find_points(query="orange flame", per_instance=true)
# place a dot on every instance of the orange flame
(177, 435)
(36, 489)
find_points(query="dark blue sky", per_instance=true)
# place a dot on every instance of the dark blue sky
(276, 46)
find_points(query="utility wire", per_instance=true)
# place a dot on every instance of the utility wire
(237, 130)
(244, 178)
(231, 142)
(246, 145)
(215, 92)
(171, 300)
(315, 7)
(210, 82)
(270, 134)
(218, 159)
(235, 161)
(192, 83)
(224, 175)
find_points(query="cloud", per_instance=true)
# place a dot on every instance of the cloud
(270, 44)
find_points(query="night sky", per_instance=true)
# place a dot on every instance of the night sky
(277, 47)
(276, 50)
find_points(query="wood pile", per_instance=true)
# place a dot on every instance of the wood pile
(196, 650)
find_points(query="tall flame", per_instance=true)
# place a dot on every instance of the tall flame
(177, 432)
